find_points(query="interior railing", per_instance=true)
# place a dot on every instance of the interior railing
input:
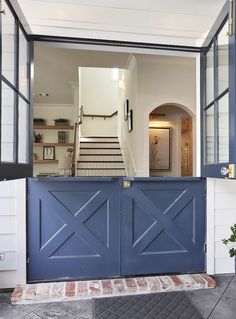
(76, 141)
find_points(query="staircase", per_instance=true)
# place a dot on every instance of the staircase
(100, 156)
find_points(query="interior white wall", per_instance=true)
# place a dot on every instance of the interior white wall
(99, 94)
(160, 80)
(13, 233)
(128, 90)
(221, 215)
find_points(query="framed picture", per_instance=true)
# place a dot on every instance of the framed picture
(62, 137)
(126, 110)
(48, 152)
(130, 120)
(160, 148)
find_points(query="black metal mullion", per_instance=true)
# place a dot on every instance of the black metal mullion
(30, 106)
(16, 126)
(203, 110)
(216, 111)
(1, 84)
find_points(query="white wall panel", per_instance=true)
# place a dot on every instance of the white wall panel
(7, 206)
(221, 215)
(7, 224)
(8, 242)
(225, 217)
(13, 233)
(9, 262)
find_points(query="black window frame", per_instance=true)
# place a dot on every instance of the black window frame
(14, 170)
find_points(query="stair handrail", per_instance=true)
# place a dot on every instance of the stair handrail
(104, 116)
(73, 160)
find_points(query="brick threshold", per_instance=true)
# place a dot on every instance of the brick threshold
(77, 290)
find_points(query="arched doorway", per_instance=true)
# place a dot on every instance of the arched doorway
(171, 141)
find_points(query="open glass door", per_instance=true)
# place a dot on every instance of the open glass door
(15, 155)
(218, 97)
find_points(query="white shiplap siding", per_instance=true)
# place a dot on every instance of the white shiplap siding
(12, 233)
(221, 214)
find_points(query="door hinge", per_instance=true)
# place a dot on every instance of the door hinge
(231, 18)
(205, 248)
(28, 260)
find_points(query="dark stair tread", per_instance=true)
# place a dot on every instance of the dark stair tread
(101, 154)
(100, 148)
(100, 168)
(99, 137)
(100, 162)
(98, 142)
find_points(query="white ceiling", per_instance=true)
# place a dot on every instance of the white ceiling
(176, 22)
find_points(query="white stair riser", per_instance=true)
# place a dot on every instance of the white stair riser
(100, 165)
(97, 139)
(100, 158)
(99, 145)
(108, 173)
(101, 151)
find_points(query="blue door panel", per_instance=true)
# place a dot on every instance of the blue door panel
(73, 230)
(163, 227)
(88, 229)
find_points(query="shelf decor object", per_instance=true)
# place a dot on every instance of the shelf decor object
(61, 121)
(64, 163)
(62, 137)
(49, 153)
(39, 121)
(38, 138)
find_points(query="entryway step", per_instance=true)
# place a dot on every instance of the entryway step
(100, 158)
(76, 290)
(88, 151)
(96, 145)
(100, 165)
(99, 139)
(101, 172)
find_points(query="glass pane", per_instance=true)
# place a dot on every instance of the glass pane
(209, 76)
(8, 44)
(23, 131)
(23, 64)
(223, 124)
(7, 124)
(210, 152)
(223, 59)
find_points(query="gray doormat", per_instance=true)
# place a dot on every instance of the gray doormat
(172, 305)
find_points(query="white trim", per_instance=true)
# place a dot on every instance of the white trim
(21, 230)
(197, 156)
(210, 227)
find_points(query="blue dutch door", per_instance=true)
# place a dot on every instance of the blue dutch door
(91, 228)
(218, 97)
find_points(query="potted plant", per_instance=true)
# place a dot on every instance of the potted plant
(61, 121)
(39, 121)
(231, 243)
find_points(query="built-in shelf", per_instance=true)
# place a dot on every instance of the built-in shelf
(53, 127)
(53, 144)
(45, 161)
